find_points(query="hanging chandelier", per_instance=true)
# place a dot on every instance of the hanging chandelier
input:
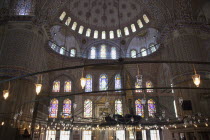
(39, 85)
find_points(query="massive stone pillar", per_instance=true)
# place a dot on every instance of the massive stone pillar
(21, 52)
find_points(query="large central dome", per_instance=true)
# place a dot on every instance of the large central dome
(105, 13)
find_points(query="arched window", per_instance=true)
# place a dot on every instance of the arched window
(151, 107)
(62, 16)
(126, 31)
(74, 26)
(103, 82)
(140, 23)
(88, 86)
(53, 108)
(111, 34)
(103, 35)
(146, 19)
(139, 108)
(62, 50)
(66, 108)
(113, 53)
(119, 34)
(103, 52)
(138, 85)
(118, 107)
(118, 84)
(67, 86)
(133, 28)
(133, 54)
(153, 48)
(81, 28)
(88, 32)
(68, 21)
(88, 108)
(149, 85)
(93, 53)
(143, 52)
(56, 86)
(53, 46)
(73, 52)
(95, 34)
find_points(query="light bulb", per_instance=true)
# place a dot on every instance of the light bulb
(38, 88)
(83, 82)
(5, 94)
(196, 79)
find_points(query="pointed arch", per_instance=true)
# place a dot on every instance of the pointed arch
(118, 107)
(103, 82)
(56, 86)
(151, 107)
(88, 108)
(88, 86)
(67, 86)
(66, 108)
(139, 108)
(53, 111)
(149, 85)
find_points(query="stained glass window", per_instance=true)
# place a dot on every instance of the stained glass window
(66, 108)
(113, 53)
(103, 35)
(143, 52)
(126, 31)
(119, 34)
(56, 86)
(86, 135)
(68, 21)
(139, 108)
(88, 86)
(133, 28)
(93, 52)
(111, 34)
(138, 85)
(103, 82)
(152, 48)
(146, 19)
(73, 52)
(133, 53)
(151, 107)
(88, 108)
(74, 26)
(140, 23)
(95, 34)
(81, 28)
(88, 32)
(103, 52)
(149, 85)
(53, 108)
(118, 82)
(118, 107)
(62, 16)
(67, 86)
(62, 50)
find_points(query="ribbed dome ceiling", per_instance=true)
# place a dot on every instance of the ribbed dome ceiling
(105, 13)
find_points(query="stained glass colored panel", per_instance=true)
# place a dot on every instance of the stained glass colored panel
(88, 108)
(67, 86)
(118, 107)
(66, 108)
(113, 53)
(118, 82)
(103, 52)
(103, 82)
(93, 52)
(56, 86)
(139, 108)
(151, 107)
(138, 85)
(149, 85)
(88, 86)
(53, 108)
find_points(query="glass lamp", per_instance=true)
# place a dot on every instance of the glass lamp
(83, 82)
(5, 94)
(196, 79)
(38, 88)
